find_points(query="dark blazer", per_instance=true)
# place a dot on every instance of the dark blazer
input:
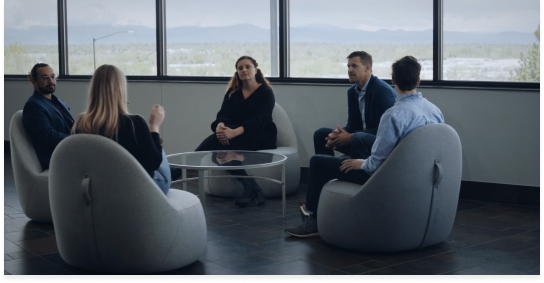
(253, 113)
(379, 97)
(46, 125)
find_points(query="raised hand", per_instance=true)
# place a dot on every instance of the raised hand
(156, 118)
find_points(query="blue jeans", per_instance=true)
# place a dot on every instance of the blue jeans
(162, 176)
(360, 146)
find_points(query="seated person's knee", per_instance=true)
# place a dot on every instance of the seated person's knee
(358, 138)
(318, 159)
(322, 133)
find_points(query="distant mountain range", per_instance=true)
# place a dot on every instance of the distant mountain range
(253, 34)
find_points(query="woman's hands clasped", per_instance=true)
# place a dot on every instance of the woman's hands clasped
(156, 118)
(224, 133)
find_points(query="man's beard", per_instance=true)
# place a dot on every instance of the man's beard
(45, 90)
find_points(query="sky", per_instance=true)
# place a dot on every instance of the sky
(370, 15)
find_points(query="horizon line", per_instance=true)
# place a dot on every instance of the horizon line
(300, 26)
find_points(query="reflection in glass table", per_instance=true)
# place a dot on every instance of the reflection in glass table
(225, 160)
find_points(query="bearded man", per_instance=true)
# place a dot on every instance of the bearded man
(46, 117)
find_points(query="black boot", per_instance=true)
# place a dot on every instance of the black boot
(259, 195)
(252, 191)
(175, 173)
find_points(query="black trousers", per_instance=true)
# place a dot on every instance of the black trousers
(237, 143)
(324, 168)
(360, 146)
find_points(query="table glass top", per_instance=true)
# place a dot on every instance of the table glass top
(216, 159)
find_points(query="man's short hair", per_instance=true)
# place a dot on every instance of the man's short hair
(365, 57)
(33, 74)
(405, 73)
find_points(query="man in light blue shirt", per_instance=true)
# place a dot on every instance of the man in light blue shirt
(410, 112)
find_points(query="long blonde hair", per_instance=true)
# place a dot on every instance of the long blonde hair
(107, 101)
(236, 83)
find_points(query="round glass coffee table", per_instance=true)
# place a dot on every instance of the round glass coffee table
(225, 160)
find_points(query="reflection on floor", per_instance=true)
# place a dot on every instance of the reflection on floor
(488, 238)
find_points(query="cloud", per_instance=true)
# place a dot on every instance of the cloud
(26, 13)
(371, 15)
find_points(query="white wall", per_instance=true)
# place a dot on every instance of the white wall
(499, 129)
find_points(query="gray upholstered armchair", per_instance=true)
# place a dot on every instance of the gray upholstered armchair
(31, 181)
(287, 145)
(409, 202)
(110, 216)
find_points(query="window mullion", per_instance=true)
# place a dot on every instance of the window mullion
(161, 37)
(274, 38)
(284, 38)
(438, 39)
(62, 38)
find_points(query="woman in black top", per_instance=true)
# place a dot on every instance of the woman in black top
(245, 121)
(107, 115)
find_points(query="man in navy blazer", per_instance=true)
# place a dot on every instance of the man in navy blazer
(47, 118)
(368, 99)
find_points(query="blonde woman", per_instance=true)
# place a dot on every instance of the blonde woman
(107, 115)
(245, 122)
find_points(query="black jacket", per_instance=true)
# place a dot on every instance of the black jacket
(253, 113)
(379, 97)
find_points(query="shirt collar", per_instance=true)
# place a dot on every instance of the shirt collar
(360, 91)
(403, 96)
(37, 93)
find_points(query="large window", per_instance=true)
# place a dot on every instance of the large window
(204, 38)
(491, 40)
(474, 43)
(30, 35)
(123, 32)
(323, 33)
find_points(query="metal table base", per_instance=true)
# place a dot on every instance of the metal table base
(202, 178)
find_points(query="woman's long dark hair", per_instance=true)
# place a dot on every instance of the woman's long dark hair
(236, 83)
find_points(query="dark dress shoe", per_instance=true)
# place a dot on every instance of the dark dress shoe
(252, 192)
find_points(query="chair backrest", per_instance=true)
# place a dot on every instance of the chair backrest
(416, 189)
(30, 178)
(286, 133)
(104, 203)
(23, 154)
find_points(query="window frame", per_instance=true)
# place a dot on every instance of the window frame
(284, 58)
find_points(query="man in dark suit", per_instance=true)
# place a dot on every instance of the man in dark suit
(368, 99)
(47, 118)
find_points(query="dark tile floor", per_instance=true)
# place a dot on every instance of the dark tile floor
(488, 238)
